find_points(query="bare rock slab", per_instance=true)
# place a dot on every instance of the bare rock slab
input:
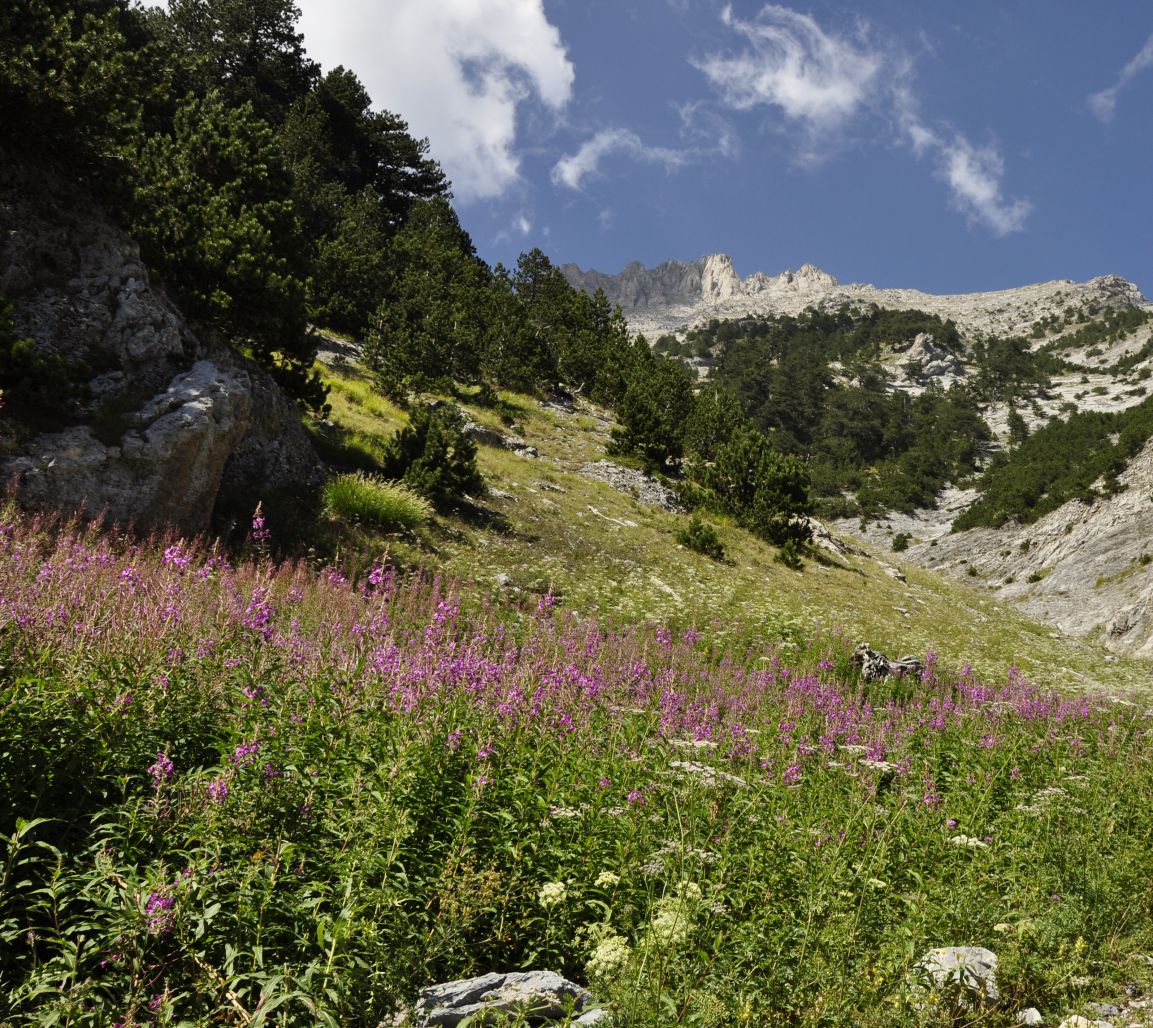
(540, 997)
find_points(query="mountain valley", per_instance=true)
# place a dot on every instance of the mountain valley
(1083, 567)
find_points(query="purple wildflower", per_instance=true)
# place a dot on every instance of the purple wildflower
(245, 753)
(161, 918)
(161, 771)
(218, 790)
(175, 557)
(259, 533)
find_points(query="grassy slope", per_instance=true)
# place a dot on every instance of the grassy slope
(604, 552)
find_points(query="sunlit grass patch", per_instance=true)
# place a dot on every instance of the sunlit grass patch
(387, 506)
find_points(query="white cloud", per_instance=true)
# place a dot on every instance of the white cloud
(521, 225)
(815, 78)
(573, 169)
(1104, 103)
(973, 174)
(708, 130)
(458, 71)
(826, 82)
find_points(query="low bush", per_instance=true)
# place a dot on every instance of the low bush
(701, 537)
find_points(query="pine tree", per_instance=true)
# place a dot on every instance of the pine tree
(214, 218)
(435, 457)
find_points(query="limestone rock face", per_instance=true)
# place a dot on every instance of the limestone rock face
(1083, 567)
(170, 419)
(167, 469)
(719, 281)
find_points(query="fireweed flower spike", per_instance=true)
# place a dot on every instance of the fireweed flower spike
(260, 533)
(162, 771)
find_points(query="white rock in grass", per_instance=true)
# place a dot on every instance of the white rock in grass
(970, 969)
(540, 996)
(1077, 1021)
(1031, 1016)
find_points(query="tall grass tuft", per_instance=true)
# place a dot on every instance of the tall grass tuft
(388, 506)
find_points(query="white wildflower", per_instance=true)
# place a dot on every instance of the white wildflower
(609, 958)
(607, 879)
(670, 925)
(552, 893)
(690, 891)
(968, 840)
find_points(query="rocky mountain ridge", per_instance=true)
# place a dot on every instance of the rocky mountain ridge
(677, 295)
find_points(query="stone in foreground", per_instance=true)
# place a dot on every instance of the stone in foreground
(969, 970)
(540, 997)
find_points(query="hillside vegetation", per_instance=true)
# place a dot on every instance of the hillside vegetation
(237, 792)
(558, 670)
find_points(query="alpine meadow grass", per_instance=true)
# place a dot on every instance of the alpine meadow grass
(240, 792)
(385, 506)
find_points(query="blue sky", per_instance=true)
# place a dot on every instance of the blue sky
(944, 146)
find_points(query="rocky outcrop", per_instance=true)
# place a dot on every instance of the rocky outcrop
(876, 667)
(965, 975)
(643, 488)
(170, 421)
(1086, 568)
(926, 360)
(531, 997)
(677, 295)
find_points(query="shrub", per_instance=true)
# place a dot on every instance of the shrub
(701, 537)
(790, 555)
(388, 506)
(36, 384)
(434, 456)
(765, 490)
(900, 542)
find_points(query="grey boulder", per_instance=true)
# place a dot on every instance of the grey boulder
(540, 997)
